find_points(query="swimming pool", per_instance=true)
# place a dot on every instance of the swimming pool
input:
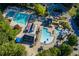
(10, 13)
(21, 18)
(45, 36)
(58, 31)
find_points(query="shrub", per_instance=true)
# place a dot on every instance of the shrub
(12, 49)
(65, 49)
(72, 40)
(50, 52)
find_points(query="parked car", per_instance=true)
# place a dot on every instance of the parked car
(75, 49)
(40, 49)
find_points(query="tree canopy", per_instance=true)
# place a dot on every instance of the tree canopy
(72, 40)
(50, 52)
(65, 49)
(12, 49)
(40, 9)
(3, 38)
(8, 47)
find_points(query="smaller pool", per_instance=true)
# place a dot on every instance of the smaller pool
(10, 13)
(45, 36)
(21, 18)
(58, 31)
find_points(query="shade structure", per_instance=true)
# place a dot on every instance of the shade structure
(18, 40)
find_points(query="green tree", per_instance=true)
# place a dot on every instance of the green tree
(3, 38)
(72, 40)
(8, 47)
(6, 33)
(66, 25)
(12, 49)
(1, 16)
(41, 10)
(44, 53)
(55, 51)
(50, 52)
(26, 5)
(8, 30)
(65, 49)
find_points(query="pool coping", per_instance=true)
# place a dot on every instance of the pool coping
(52, 37)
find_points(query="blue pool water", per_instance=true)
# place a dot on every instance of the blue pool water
(21, 18)
(58, 31)
(45, 36)
(10, 13)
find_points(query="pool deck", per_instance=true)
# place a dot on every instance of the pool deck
(34, 50)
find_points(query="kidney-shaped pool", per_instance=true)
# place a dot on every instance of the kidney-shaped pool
(46, 37)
